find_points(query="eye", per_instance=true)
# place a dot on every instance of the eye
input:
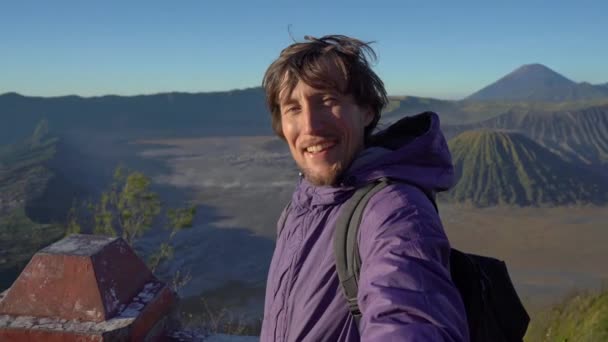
(329, 100)
(291, 110)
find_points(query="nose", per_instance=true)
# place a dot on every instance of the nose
(313, 120)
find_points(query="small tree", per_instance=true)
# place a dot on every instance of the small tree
(72, 225)
(128, 209)
(178, 220)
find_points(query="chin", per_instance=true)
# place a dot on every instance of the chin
(325, 177)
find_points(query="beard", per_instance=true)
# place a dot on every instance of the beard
(328, 178)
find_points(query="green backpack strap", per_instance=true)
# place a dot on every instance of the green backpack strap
(346, 246)
(346, 250)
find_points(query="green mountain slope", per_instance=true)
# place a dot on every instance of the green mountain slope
(500, 167)
(575, 135)
(25, 177)
(23, 171)
(582, 318)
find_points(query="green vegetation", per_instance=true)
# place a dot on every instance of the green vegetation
(24, 176)
(495, 167)
(20, 238)
(216, 310)
(579, 135)
(582, 317)
(128, 209)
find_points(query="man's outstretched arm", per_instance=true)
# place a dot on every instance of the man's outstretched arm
(405, 288)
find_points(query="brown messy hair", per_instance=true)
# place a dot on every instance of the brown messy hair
(309, 62)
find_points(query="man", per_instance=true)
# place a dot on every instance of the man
(325, 101)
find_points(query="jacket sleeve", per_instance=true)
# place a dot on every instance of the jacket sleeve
(405, 288)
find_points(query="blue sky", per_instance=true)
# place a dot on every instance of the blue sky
(443, 49)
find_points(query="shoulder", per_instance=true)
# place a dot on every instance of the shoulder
(401, 220)
(401, 203)
(400, 195)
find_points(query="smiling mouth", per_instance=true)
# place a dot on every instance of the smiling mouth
(319, 148)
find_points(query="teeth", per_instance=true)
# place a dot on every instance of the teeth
(317, 148)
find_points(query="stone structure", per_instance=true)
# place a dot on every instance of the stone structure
(86, 288)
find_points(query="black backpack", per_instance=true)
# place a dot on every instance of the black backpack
(494, 311)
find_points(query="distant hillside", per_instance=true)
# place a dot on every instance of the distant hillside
(400, 106)
(467, 111)
(536, 82)
(23, 169)
(450, 112)
(33, 198)
(237, 112)
(581, 318)
(575, 135)
(499, 167)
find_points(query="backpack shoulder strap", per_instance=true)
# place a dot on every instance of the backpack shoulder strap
(346, 250)
(346, 246)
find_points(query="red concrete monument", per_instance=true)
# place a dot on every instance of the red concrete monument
(86, 288)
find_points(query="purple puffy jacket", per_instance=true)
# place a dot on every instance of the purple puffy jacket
(405, 289)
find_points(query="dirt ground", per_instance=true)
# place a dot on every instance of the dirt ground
(550, 252)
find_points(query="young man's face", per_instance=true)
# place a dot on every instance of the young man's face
(324, 130)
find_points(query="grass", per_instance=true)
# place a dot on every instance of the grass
(581, 317)
(220, 310)
(213, 319)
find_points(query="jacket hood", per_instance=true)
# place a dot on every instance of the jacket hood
(412, 150)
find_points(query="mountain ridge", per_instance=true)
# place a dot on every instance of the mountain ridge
(239, 112)
(212, 92)
(575, 135)
(537, 82)
(233, 112)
